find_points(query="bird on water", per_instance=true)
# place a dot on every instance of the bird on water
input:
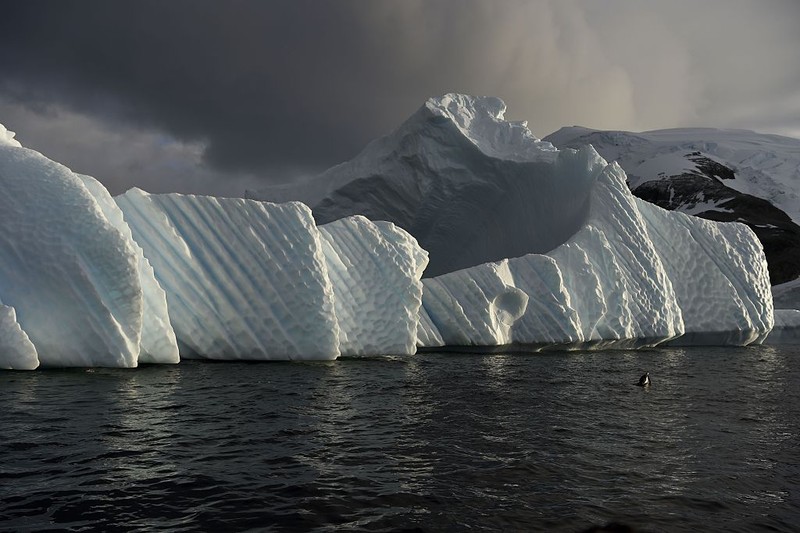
(644, 381)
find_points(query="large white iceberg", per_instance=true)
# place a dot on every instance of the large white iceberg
(635, 275)
(256, 280)
(529, 247)
(89, 280)
(69, 274)
(536, 246)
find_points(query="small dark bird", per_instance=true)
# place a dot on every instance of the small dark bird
(644, 381)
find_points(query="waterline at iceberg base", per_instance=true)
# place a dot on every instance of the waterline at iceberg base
(529, 247)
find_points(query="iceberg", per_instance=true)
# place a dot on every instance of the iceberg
(469, 186)
(722, 175)
(257, 280)
(534, 246)
(620, 281)
(243, 279)
(70, 276)
(158, 343)
(375, 270)
(91, 280)
(524, 247)
(17, 352)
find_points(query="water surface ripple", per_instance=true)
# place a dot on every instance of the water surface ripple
(433, 442)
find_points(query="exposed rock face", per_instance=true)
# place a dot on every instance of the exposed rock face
(709, 198)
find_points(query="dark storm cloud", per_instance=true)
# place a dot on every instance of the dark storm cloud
(260, 81)
(274, 88)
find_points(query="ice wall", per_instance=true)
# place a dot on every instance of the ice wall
(244, 279)
(17, 352)
(254, 280)
(634, 276)
(158, 343)
(375, 270)
(556, 249)
(68, 273)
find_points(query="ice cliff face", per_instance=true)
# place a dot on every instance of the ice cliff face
(255, 280)
(68, 273)
(622, 280)
(530, 246)
(587, 263)
(723, 175)
(468, 185)
(89, 280)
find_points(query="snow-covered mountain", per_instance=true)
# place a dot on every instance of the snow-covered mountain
(725, 175)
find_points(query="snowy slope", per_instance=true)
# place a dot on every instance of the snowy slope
(725, 175)
(766, 166)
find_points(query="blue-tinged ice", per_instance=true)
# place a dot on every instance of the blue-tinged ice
(17, 352)
(375, 271)
(530, 245)
(243, 279)
(69, 274)
(158, 343)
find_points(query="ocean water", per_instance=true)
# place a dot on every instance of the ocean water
(433, 442)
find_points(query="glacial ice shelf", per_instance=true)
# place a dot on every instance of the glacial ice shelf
(529, 247)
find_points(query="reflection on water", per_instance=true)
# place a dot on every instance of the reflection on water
(436, 441)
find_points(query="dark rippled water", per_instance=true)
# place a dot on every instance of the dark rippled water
(435, 442)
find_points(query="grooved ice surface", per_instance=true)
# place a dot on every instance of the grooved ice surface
(375, 270)
(158, 344)
(69, 274)
(719, 274)
(558, 251)
(17, 352)
(244, 279)
(635, 275)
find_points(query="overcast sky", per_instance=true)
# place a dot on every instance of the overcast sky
(215, 96)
